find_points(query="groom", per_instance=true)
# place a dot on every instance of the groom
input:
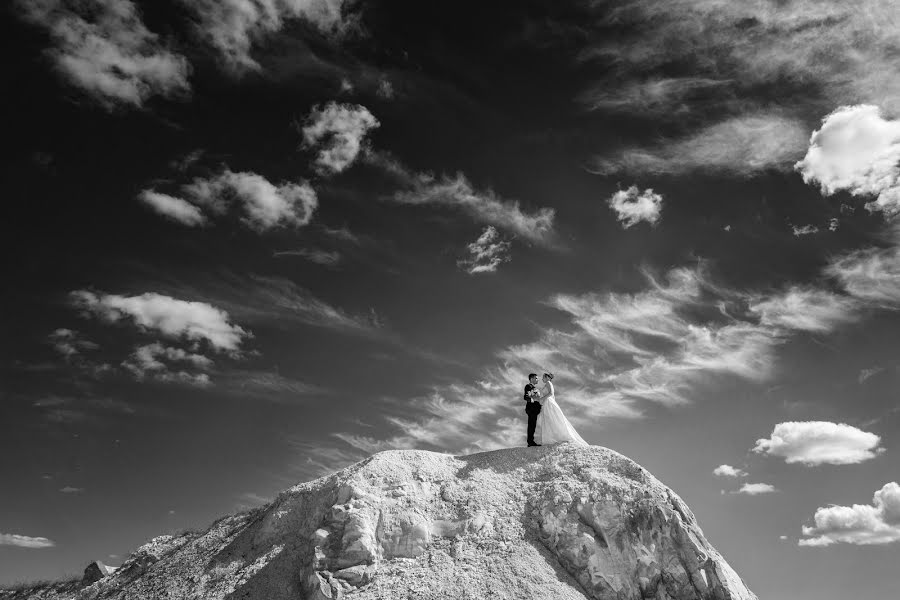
(532, 406)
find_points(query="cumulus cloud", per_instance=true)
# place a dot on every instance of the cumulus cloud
(805, 309)
(633, 206)
(147, 362)
(193, 321)
(861, 524)
(755, 489)
(856, 150)
(24, 541)
(742, 145)
(819, 442)
(104, 48)
(173, 208)
(728, 471)
(804, 230)
(486, 253)
(261, 204)
(70, 343)
(337, 131)
(232, 27)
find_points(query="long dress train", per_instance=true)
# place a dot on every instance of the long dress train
(554, 425)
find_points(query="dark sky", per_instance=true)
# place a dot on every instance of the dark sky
(243, 253)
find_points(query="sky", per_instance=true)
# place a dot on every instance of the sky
(249, 243)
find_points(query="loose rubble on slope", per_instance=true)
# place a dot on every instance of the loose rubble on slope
(561, 522)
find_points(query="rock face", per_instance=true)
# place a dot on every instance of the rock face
(561, 522)
(96, 571)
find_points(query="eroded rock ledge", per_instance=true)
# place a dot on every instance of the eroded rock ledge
(562, 522)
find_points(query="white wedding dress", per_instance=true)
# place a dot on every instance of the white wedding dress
(553, 424)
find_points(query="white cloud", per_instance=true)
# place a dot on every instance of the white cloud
(859, 151)
(741, 145)
(233, 26)
(485, 207)
(24, 541)
(804, 230)
(755, 489)
(146, 362)
(871, 275)
(104, 48)
(633, 206)
(385, 89)
(338, 132)
(486, 253)
(819, 442)
(865, 374)
(805, 309)
(69, 343)
(263, 204)
(861, 524)
(728, 471)
(71, 490)
(176, 209)
(314, 255)
(194, 321)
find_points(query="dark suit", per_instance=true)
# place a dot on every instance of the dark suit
(532, 409)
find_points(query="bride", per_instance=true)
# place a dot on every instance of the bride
(555, 427)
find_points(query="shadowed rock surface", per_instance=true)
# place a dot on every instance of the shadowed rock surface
(562, 522)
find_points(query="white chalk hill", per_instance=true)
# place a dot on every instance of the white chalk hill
(561, 522)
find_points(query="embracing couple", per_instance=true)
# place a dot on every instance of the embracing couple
(542, 409)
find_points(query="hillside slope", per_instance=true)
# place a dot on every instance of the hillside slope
(561, 522)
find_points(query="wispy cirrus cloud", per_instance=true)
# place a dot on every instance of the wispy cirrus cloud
(234, 27)
(457, 192)
(314, 255)
(104, 48)
(742, 145)
(337, 132)
(260, 204)
(861, 524)
(813, 443)
(177, 209)
(25, 541)
(486, 253)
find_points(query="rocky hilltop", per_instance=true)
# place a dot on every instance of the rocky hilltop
(561, 522)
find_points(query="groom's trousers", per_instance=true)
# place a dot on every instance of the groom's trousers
(532, 419)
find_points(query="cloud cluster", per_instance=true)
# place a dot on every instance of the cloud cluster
(819, 442)
(104, 48)
(710, 66)
(861, 524)
(261, 204)
(486, 253)
(232, 27)
(633, 206)
(24, 541)
(70, 343)
(805, 309)
(337, 131)
(148, 362)
(177, 319)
